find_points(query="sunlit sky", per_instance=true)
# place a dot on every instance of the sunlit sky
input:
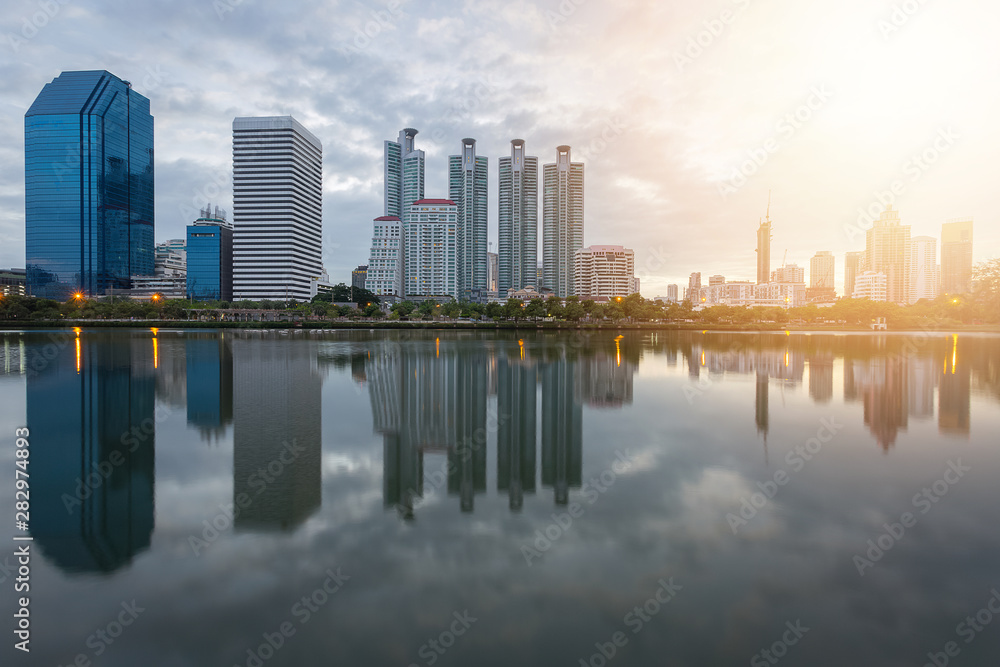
(663, 101)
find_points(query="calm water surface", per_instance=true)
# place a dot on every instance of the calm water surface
(391, 498)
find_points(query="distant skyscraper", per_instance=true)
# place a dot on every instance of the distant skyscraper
(492, 271)
(923, 268)
(716, 280)
(404, 174)
(956, 257)
(467, 187)
(764, 247)
(562, 222)
(887, 251)
(210, 257)
(852, 266)
(604, 271)
(431, 249)
(277, 209)
(518, 218)
(88, 177)
(672, 291)
(693, 291)
(821, 269)
(789, 273)
(359, 276)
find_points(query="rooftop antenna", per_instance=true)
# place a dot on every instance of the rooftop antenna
(768, 206)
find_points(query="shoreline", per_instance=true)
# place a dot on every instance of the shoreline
(484, 326)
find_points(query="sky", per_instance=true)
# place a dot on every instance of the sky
(688, 116)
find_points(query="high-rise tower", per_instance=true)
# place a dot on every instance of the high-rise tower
(88, 186)
(404, 174)
(562, 222)
(956, 257)
(887, 251)
(764, 247)
(518, 218)
(277, 208)
(467, 187)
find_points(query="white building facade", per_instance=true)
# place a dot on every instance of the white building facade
(604, 271)
(277, 209)
(924, 279)
(386, 260)
(431, 250)
(871, 285)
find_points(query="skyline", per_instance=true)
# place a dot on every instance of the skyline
(702, 116)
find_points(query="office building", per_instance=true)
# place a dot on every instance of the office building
(784, 294)
(169, 277)
(277, 209)
(493, 272)
(518, 219)
(431, 252)
(789, 273)
(12, 282)
(956, 257)
(923, 268)
(733, 293)
(359, 276)
(562, 222)
(210, 257)
(716, 280)
(386, 259)
(870, 285)
(852, 266)
(887, 251)
(693, 291)
(764, 247)
(822, 268)
(88, 177)
(672, 293)
(604, 272)
(467, 181)
(404, 174)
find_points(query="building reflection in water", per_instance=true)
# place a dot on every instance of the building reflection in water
(209, 369)
(517, 382)
(276, 432)
(91, 411)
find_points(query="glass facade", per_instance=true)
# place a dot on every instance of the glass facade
(210, 262)
(88, 144)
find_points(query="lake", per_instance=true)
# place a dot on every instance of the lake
(229, 497)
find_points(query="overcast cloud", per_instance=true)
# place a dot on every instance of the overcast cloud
(663, 101)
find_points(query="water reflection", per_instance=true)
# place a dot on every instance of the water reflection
(92, 453)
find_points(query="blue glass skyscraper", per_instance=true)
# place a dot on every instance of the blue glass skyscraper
(88, 158)
(210, 257)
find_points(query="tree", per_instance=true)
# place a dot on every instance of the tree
(404, 308)
(427, 308)
(573, 311)
(554, 306)
(373, 310)
(513, 309)
(451, 309)
(535, 309)
(986, 292)
(494, 310)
